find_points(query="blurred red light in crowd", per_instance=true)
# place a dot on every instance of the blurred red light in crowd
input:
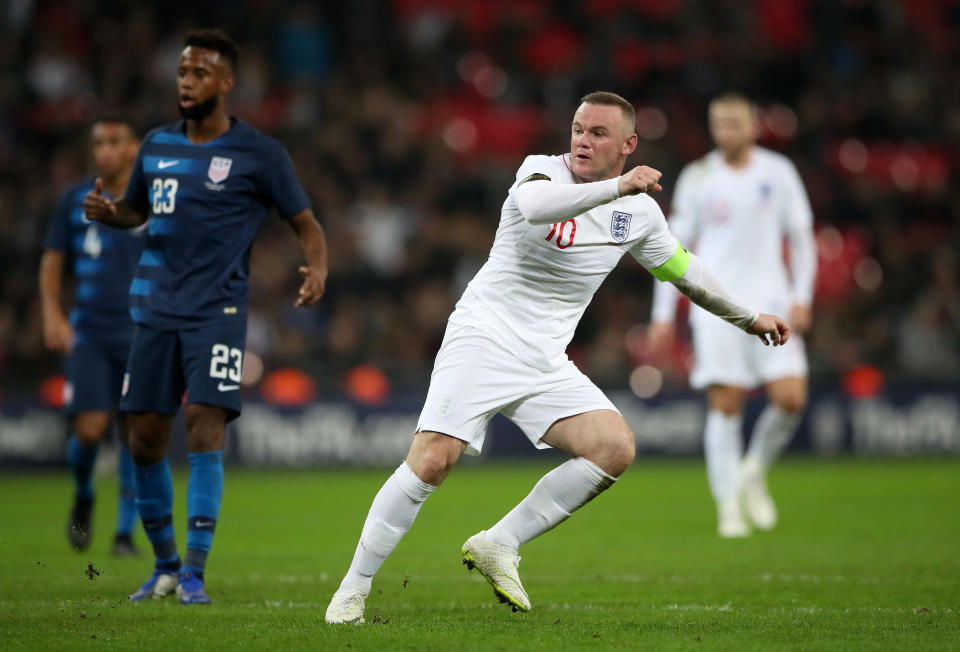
(367, 384)
(288, 386)
(553, 50)
(864, 381)
(52, 391)
(906, 166)
(471, 125)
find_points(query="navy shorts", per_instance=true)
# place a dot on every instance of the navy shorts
(94, 373)
(205, 363)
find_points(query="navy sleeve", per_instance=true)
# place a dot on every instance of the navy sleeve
(281, 185)
(58, 231)
(136, 194)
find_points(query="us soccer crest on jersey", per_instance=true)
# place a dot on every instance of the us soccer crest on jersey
(219, 168)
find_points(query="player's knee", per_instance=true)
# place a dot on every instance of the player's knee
(726, 400)
(432, 455)
(619, 453)
(145, 452)
(90, 428)
(88, 436)
(791, 404)
(147, 441)
(433, 464)
(206, 426)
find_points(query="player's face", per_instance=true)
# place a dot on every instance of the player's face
(203, 78)
(600, 141)
(732, 126)
(114, 148)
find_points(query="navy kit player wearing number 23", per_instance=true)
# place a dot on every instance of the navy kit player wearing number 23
(205, 204)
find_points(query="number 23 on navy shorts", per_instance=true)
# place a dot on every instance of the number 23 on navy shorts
(204, 362)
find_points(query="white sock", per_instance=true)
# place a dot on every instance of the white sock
(390, 517)
(722, 445)
(557, 495)
(773, 432)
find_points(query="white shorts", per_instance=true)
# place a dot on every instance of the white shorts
(474, 378)
(725, 355)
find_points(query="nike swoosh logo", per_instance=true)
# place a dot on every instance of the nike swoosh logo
(226, 388)
(163, 165)
(204, 523)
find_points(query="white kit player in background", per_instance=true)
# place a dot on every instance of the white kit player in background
(734, 207)
(566, 222)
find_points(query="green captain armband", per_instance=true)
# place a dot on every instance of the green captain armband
(673, 268)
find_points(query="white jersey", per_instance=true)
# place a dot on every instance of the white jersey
(736, 220)
(530, 294)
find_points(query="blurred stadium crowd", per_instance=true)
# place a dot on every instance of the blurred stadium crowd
(407, 119)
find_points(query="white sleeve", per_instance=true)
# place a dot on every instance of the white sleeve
(703, 288)
(546, 202)
(802, 243)
(541, 199)
(658, 245)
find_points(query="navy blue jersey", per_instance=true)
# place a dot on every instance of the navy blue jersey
(103, 260)
(205, 204)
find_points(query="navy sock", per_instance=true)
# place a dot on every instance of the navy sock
(126, 503)
(154, 488)
(204, 494)
(81, 459)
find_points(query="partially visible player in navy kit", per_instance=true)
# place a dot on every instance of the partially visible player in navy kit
(206, 183)
(97, 335)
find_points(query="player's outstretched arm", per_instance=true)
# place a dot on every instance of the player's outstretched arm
(541, 201)
(313, 243)
(113, 213)
(694, 279)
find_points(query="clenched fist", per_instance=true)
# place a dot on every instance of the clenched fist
(640, 179)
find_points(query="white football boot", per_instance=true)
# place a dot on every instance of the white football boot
(346, 606)
(499, 565)
(160, 584)
(761, 510)
(730, 521)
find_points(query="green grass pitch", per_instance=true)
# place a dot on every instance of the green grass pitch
(867, 556)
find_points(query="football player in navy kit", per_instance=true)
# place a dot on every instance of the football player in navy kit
(206, 184)
(97, 334)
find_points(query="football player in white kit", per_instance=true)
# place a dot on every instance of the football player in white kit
(566, 222)
(734, 207)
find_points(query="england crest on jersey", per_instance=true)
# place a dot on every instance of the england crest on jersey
(219, 168)
(620, 226)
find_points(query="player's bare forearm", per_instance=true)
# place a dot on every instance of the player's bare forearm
(125, 217)
(51, 271)
(313, 243)
(57, 332)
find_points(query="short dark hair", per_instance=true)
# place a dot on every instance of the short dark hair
(117, 119)
(216, 40)
(735, 97)
(606, 98)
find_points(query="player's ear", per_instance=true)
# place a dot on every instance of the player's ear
(630, 144)
(226, 83)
